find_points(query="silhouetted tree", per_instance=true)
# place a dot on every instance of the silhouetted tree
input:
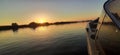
(33, 25)
(14, 26)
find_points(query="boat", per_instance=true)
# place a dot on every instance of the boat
(103, 33)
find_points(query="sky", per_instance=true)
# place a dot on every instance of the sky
(26, 11)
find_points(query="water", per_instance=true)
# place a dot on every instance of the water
(67, 39)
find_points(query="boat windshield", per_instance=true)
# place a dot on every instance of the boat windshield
(115, 8)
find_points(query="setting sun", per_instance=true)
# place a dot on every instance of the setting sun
(42, 18)
(42, 21)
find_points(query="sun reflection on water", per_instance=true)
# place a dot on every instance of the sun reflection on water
(42, 28)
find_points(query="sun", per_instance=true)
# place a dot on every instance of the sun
(42, 21)
(42, 18)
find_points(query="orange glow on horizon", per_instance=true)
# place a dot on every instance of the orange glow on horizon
(42, 18)
(42, 21)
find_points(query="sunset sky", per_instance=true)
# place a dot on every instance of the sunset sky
(26, 11)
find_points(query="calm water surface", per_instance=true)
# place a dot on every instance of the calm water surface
(67, 39)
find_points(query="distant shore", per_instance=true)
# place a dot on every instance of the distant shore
(15, 26)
